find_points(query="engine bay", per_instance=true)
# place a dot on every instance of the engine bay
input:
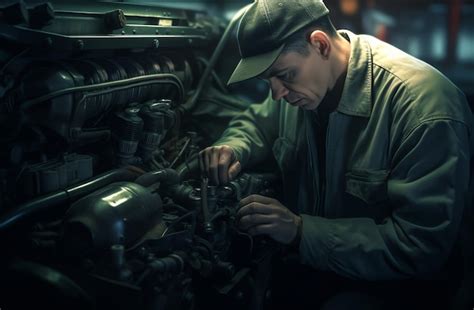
(104, 108)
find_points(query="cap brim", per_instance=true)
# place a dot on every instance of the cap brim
(251, 67)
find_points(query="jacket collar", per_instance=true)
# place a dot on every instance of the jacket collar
(356, 96)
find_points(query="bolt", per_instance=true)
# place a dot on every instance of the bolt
(79, 44)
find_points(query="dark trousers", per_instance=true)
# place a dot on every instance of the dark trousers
(295, 286)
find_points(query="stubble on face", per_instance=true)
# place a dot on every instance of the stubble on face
(309, 85)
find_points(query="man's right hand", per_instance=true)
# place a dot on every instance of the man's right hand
(219, 164)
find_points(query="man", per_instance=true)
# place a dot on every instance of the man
(373, 146)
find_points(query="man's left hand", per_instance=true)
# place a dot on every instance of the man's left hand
(260, 215)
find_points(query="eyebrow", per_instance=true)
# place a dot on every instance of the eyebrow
(272, 72)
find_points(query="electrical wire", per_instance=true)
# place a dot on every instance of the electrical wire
(191, 102)
(218, 81)
(176, 206)
(9, 62)
(177, 221)
(185, 146)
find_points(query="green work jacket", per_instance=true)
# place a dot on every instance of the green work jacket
(398, 148)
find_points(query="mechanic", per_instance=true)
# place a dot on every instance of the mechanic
(374, 150)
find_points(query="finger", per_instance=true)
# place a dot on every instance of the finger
(255, 207)
(254, 219)
(256, 198)
(214, 160)
(225, 158)
(264, 229)
(234, 170)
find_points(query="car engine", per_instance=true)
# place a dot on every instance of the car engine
(104, 108)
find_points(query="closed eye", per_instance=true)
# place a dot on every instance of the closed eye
(287, 76)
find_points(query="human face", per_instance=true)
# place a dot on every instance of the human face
(302, 80)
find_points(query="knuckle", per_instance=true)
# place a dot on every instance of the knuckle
(226, 148)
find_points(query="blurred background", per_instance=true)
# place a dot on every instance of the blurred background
(438, 32)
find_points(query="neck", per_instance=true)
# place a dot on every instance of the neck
(339, 63)
(340, 59)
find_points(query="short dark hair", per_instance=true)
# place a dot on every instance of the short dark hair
(298, 42)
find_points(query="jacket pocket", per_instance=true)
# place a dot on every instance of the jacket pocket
(285, 152)
(368, 185)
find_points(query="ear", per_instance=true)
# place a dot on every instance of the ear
(321, 42)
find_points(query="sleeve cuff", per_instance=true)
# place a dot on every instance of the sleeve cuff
(317, 242)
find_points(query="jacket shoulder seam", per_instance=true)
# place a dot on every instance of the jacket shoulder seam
(432, 118)
(407, 88)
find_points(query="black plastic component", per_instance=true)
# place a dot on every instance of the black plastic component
(172, 263)
(15, 14)
(120, 213)
(41, 15)
(46, 177)
(115, 19)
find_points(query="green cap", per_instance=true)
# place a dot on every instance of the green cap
(264, 28)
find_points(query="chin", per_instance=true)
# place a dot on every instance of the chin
(311, 106)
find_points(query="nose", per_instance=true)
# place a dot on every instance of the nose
(278, 89)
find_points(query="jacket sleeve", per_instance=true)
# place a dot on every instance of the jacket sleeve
(427, 189)
(251, 135)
